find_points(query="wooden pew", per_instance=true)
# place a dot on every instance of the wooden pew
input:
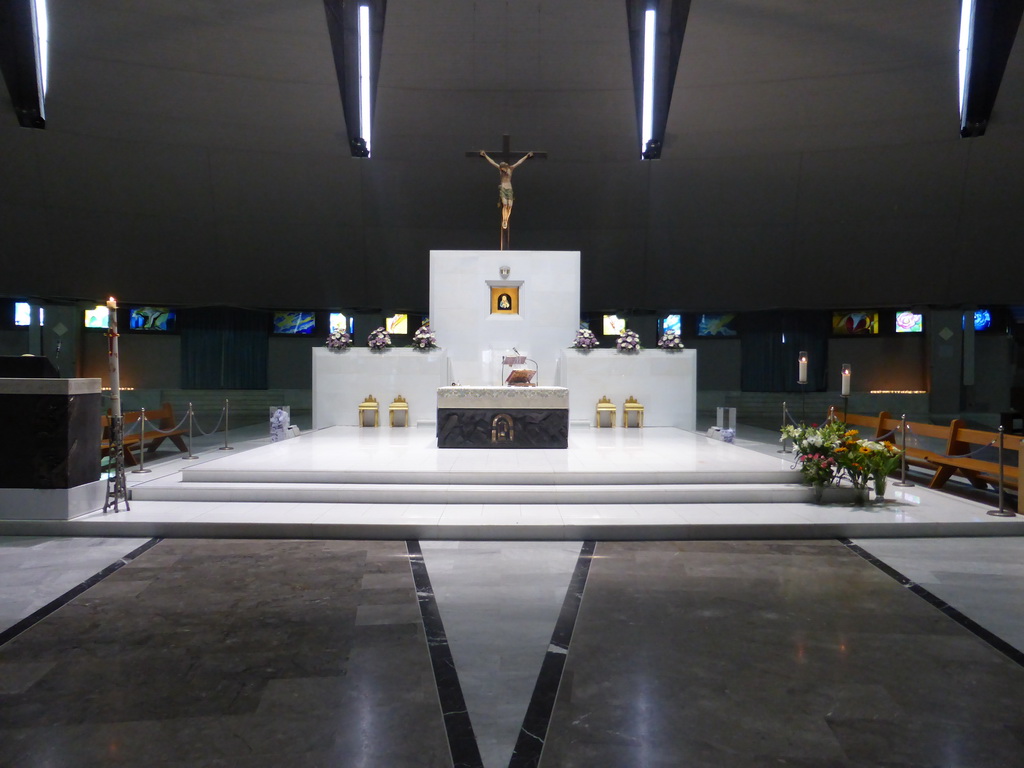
(917, 455)
(157, 419)
(979, 472)
(162, 419)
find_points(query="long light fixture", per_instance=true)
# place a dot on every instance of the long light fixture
(24, 58)
(365, 112)
(987, 31)
(647, 106)
(356, 29)
(656, 29)
(966, 38)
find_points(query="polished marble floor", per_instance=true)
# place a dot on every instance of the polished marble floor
(848, 652)
(699, 653)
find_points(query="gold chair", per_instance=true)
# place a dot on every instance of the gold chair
(632, 413)
(606, 412)
(398, 413)
(369, 415)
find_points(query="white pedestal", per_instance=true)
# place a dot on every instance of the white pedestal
(52, 503)
(665, 383)
(342, 380)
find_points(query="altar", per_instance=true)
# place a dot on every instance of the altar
(487, 307)
(502, 417)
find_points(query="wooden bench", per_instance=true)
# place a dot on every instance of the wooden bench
(917, 455)
(160, 426)
(979, 472)
(953, 458)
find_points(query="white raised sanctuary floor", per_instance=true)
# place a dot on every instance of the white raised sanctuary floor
(654, 483)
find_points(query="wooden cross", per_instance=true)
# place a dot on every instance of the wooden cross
(506, 155)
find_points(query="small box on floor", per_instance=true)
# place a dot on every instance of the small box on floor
(726, 435)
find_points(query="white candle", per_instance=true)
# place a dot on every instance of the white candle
(802, 378)
(115, 373)
(846, 380)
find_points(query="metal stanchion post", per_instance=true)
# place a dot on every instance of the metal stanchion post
(903, 482)
(785, 419)
(1002, 511)
(190, 456)
(142, 445)
(227, 406)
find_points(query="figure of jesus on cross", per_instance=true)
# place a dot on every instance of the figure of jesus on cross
(505, 169)
(505, 195)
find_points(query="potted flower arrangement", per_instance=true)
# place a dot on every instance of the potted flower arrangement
(831, 453)
(814, 447)
(882, 458)
(585, 339)
(628, 341)
(378, 340)
(424, 338)
(670, 340)
(339, 340)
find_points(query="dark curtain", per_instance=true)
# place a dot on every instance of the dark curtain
(771, 345)
(224, 348)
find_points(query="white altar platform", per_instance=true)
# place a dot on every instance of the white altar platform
(654, 483)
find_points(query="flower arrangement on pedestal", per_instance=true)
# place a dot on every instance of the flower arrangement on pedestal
(831, 453)
(339, 340)
(424, 338)
(628, 341)
(378, 340)
(670, 340)
(585, 339)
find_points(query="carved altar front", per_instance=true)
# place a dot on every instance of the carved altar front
(502, 417)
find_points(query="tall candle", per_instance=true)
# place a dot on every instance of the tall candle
(115, 373)
(846, 380)
(802, 378)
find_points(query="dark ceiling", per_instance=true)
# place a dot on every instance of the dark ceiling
(195, 152)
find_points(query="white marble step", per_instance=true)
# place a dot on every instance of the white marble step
(218, 474)
(367, 493)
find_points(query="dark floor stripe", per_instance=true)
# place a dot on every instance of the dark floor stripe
(34, 618)
(1014, 654)
(530, 743)
(461, 739)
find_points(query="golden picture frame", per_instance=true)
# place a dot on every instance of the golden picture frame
(504, 299)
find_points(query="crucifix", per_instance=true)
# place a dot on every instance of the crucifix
(509, 161)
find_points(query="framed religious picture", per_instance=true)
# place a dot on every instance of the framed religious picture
(504, 299)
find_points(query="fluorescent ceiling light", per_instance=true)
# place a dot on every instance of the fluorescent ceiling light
(647, 107)
(966, 27)
(364, 75)
(42, 30)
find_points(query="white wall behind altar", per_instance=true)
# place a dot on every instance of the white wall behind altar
(342, 380)
(549, 310)
(664, 383)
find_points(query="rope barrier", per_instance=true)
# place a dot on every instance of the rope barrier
(216, 427)
(172, 429)
(965, 455)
